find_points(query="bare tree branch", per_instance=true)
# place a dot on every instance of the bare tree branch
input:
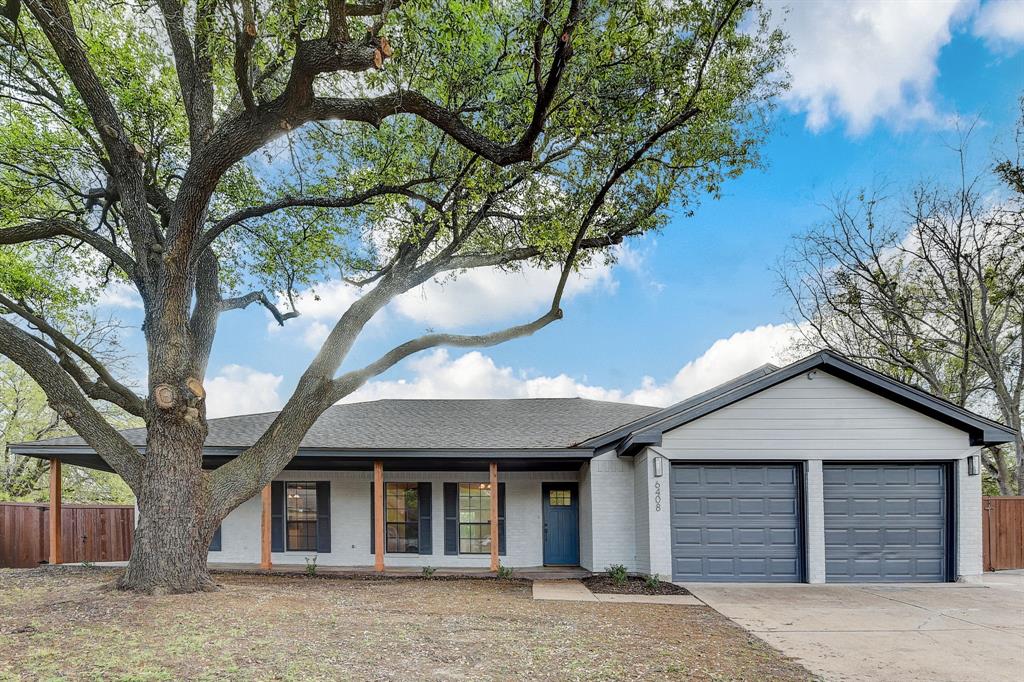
(260, 297)
(68, 401)
(123, 396)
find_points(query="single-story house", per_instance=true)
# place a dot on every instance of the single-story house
(819, 471)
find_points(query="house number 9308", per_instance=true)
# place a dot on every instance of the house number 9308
(657, 496)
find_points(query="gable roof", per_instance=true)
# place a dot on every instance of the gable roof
(533, 423)
(649, 429)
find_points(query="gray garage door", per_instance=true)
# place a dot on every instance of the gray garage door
(733, 523)
(885, 523)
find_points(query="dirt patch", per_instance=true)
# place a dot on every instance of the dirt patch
(68, 624)
(602, 584)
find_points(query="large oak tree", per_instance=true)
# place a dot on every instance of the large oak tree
(216, 154)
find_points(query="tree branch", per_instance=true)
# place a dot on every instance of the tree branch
(244, 41)
(68, 401)
(57, 227)
(260, 297)
(121, 395)
(54, 18)
(349, 382)
(404, 189)
(196, 88)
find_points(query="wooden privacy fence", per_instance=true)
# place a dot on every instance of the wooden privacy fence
(91, 532)
(1003, 532)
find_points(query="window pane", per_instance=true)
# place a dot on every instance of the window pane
(403, 516)
(474, 518)
(560, 498)
(301, 516)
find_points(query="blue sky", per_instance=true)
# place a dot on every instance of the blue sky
(877, 90)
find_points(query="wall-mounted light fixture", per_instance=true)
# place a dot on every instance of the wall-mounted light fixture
(659, 467)
(972, 465)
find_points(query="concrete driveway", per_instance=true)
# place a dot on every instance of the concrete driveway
(887, 632)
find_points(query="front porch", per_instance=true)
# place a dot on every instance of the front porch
(398, 517)
(524, 572)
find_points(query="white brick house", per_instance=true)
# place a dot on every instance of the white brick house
(820, 471)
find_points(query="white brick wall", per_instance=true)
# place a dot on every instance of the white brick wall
(641, 502)
(814, 509)
(612, 512)
(350, 521)
(586, 527)
(968, 521)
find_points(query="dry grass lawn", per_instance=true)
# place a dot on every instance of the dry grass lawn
(66, 623)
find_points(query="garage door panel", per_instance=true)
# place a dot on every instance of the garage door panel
(892, 530)
(735, 523)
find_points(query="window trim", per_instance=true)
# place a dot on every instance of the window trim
(315, 521)
(415, 487)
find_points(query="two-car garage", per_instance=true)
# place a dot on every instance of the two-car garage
(744, 522)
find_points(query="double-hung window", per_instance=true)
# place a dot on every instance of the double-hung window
(474, 518)
(301, 516)
(403, 517)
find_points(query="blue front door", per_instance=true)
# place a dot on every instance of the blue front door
(561, 524)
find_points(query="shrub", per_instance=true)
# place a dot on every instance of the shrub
(504, 572)
(428, 571)
(652, 582)
(311, 566)
(618, 574)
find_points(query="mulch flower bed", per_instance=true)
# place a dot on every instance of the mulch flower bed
(603, 584)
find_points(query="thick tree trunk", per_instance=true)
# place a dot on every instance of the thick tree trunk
(173, 535)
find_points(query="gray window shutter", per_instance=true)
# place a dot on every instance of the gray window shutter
(277, 516)
(426, 541)
(373, 516)
(501, 518)
(451, 518)
(323, 516)
(215, 542)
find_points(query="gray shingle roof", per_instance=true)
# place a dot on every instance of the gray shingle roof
(430, 424)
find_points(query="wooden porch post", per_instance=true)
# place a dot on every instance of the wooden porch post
(265, 563)
(55, 513)
(378, 516)
(494, 516)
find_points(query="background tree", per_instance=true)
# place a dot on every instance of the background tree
(930, 292)
(221, 153)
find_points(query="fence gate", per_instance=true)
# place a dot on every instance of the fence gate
(91, 532)
(1003, 532)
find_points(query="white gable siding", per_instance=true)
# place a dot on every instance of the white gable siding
(819, 418)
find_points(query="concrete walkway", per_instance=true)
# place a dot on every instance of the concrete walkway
(574, 590)
(887, 632)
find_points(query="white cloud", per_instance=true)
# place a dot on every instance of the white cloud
(1001, 24)
(724, 360)
(475, 375)
(634, 261)
(119, 295)
(242, 390)
(489, 295)
(862, 60)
